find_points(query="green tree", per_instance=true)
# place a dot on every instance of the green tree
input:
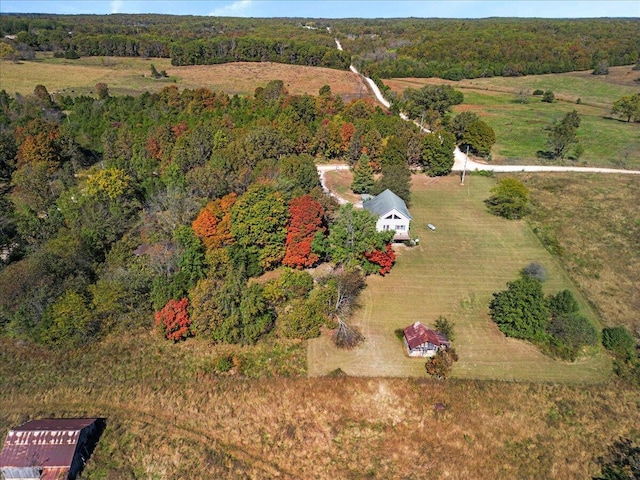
(562, 303)
(434, 98)
(446, 327)
(68, 322)
(460, 122)
(479, 137)
(259, 223)
(521, 310)
(363, 181)
(510, 199)
(548, 96)
(564, 134)
(570, 332)
(352, 234)
(627, 107)
(437, 153)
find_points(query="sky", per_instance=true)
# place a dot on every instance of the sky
(336, 8)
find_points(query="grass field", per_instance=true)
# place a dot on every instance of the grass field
(592, 223)
(453, 273)
(131, 76)
(520, 128)
(167, 419)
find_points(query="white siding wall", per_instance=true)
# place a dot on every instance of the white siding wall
(400, 225)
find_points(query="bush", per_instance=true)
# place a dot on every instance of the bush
(619, 341)
(521, 310)
(570, 332)
(548, 97)
(510, 199)
(538, 92)
(535, 270)
(562, 303)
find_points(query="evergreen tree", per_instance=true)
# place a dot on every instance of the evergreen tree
(363, 176)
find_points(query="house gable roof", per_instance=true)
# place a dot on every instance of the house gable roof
(385, 202)
(418, 334)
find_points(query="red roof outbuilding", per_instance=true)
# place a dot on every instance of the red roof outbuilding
(54, 448)
(417, 334)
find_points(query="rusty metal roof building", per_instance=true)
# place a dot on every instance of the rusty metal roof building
(49, 449)
(418, 334)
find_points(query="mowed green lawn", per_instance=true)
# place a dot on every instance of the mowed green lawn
(453, 273)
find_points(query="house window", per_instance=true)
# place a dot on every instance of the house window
(400, 228)
(389, 217)
(385, 227)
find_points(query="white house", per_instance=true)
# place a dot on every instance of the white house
(421, 341)
(392, 214)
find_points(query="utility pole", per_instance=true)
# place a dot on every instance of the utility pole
(464, 169)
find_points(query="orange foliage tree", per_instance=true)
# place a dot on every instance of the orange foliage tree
(385, 258)
(213, 223)
(173, 320)
(305, 221)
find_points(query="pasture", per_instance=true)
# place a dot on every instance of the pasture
(521, 128)
(453, 272)
(131, 76)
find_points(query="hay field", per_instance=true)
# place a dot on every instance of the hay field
(166, 419)
(131, 76)
(453, 272)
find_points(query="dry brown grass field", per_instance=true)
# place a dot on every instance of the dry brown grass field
(592, 223)
(132, 76)
(167, 419)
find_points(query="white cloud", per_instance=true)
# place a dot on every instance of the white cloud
(116, 6)
(239, 8)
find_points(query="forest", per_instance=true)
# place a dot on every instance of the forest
(380, 48)
(176, 203)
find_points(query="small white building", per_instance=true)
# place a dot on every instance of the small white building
(421, 341)
(392, 214)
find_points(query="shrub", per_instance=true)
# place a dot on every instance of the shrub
(619, 341)
(570, 332)
(440, 365)
(173, 320)
(548, 97)
(535, 270)
(521, 310)
(562, 303)
(538, 92)
(510, 199)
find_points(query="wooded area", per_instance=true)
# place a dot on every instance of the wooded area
(115, 207)
(380, 48)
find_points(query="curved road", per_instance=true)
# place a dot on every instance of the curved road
(471, 165)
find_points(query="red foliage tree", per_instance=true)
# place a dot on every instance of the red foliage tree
(305, 220)
(346, 132)
(385, 258)
(213, 223)
(174, 320)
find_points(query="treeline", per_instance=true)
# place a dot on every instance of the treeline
(187, 40)
(112, 208)
(457, 49)
(250, 49)
(381, 48)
